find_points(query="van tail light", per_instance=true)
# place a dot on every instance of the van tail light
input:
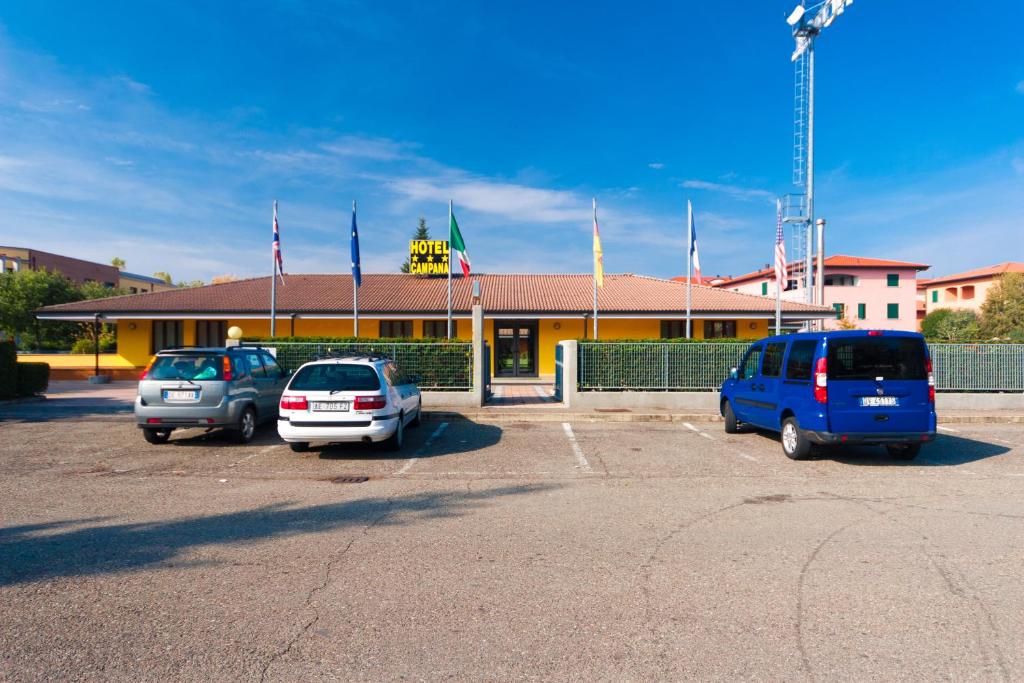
(294, 403)
(146, 370)
(821, 381)
(370, 402)
(227, 369)
(931, 380)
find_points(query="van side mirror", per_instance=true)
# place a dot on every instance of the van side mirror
(734, 373)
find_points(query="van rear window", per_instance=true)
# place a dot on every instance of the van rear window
(871, 357)
(335, 377)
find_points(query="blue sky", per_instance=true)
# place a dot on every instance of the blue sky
(162, 132)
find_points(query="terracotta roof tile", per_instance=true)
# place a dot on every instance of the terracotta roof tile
(399, 293)
(835, 261)
(978, 273)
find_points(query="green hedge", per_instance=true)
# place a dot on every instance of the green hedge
(33, 378)
(678, 340)
(8, 369)
(442, 364)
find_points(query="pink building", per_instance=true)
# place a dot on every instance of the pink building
(868, 293)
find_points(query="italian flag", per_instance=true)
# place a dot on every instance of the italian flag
(457, 246)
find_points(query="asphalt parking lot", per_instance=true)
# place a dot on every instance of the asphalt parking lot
(507, 550)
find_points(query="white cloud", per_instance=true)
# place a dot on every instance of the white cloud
(1020, 87)
(378, 149)
(736, 191)
(656, 165)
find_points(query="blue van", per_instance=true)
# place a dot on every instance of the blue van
(849, 386)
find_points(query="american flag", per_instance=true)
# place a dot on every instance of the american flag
(277, 247)
(780, 249)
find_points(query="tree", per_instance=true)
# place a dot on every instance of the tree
(218, 279)
(24, 291)
(947, 325)
(166, 277)
(1002, 314)
(118, 262)
(190, 283)
(422, 233)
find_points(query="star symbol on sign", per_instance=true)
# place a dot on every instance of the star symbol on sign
(430, 258)
(415, 258)
(444, 259)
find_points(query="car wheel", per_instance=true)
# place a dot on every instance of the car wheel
(732, 426)
(395, 441)
(794, 444)
(246, 428)
(299, 446)
(156, 436)
(903, 451)
(416, 421)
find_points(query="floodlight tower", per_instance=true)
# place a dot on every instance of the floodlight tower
(798, 208)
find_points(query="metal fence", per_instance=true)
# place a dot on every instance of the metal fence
(657, 366)
(442, 366)
(978, 367)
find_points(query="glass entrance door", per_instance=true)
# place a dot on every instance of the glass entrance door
(515, 348)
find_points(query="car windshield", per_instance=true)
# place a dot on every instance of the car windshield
(335, 377)
(187, 367)
(871, 357)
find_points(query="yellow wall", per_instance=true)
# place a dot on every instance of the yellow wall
(134, 344)
(108, 361)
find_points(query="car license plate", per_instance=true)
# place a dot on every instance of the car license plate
(174, 395)
(329, 405)
(878, 401)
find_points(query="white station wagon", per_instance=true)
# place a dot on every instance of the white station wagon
(349, 399)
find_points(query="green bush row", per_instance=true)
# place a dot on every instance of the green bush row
(442, 365)
(20, 379)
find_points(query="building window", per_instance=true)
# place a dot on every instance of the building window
(673, 329)
(166, 335)
(764, 289)
(211, 332)
(395, 329)
(840, 310)
(438, 329)
(892, 311)
(951, 294)
(893, 279)
(862, 311)
(719, 329)
(840, 280)
(967, 292)
(133, 290)
(935, 296)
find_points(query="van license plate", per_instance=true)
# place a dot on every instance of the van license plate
(172, 395)
(329, 405)
(878, 401)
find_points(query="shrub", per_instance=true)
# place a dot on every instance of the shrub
(33, 378)
(8, 369)
(108, 342)
(946, 325)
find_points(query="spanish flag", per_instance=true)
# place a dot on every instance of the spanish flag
(598, 254)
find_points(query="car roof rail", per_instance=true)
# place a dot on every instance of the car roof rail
(339, 355)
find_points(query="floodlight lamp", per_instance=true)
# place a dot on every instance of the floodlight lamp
(795, 15)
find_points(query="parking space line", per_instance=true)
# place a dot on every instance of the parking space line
(422, 449)
(580, 458)
(748, 457)
(948, 429)
(691, 427)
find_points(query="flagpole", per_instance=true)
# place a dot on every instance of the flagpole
(355, 288)
(273, 284)
(689, 264)
(778, 274)
(449, 269)
(595, 273)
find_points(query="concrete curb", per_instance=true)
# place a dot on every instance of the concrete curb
(543, 415)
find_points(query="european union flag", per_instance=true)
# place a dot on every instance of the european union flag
(357, 276)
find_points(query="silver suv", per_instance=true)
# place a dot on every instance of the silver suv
(235, 388)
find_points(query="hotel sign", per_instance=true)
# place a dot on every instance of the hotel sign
(428, 257)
